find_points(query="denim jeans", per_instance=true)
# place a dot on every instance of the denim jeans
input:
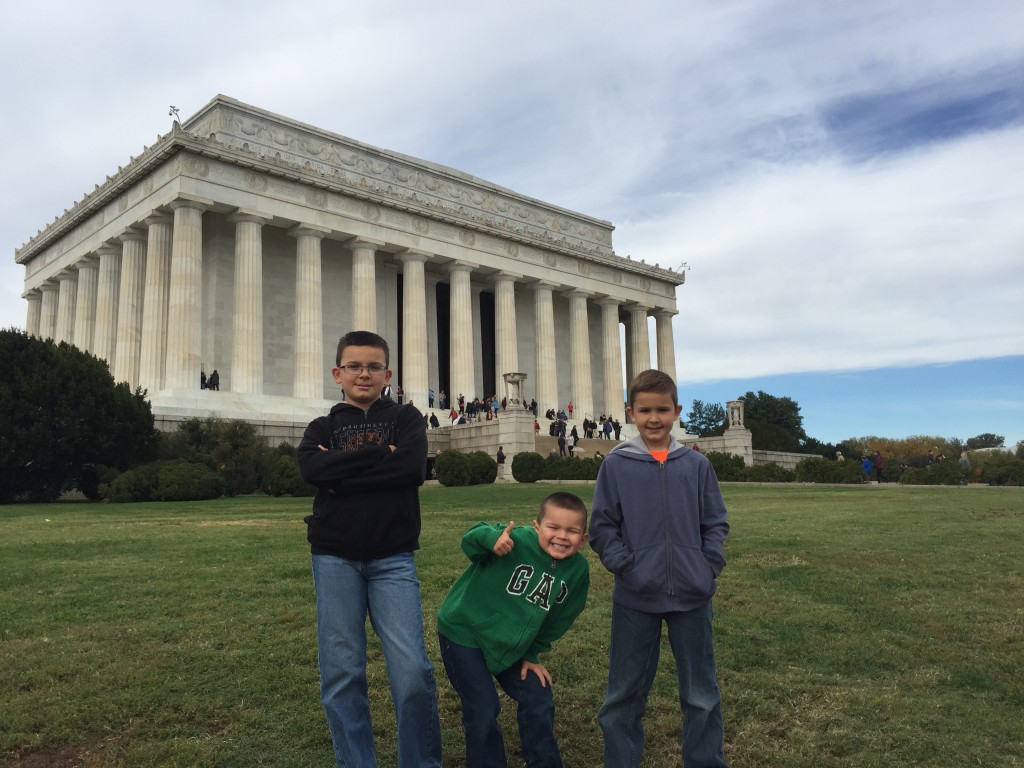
(388, 591)
(633, 661)
(535, 712)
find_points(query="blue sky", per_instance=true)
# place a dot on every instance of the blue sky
(844, 181)
(962, 399)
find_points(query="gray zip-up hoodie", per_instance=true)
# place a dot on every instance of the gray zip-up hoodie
(659, 527)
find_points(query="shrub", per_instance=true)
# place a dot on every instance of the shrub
(183, 480)
(943, 473)
(452, 468)
(284, 479)
(233, 447)
(527, 467)
(482, 468)
(815, 469)
(557, 468)
(728, 466)
(769, 473)
(137, 484)
(165, 480)
(1001, 468)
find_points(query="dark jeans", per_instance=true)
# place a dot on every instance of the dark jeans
(485, 747)
(633, 662)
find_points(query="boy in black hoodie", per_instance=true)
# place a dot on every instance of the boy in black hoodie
(367, 459)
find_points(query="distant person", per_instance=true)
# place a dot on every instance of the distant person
(367, 459)
(430, 398)
(964, 461)
(524, 588)
(617, 427)
(867, 466)
(214, 381)
(500, 459)
(878, 464)
(659, 524)
(202, 379)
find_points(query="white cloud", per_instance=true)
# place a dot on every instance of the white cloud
(696, 128)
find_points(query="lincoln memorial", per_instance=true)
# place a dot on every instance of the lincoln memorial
(248, 243)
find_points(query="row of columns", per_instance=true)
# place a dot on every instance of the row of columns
(139, 307)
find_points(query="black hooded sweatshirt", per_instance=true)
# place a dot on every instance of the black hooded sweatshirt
(367, 502)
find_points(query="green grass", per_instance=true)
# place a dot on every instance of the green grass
(854, 627)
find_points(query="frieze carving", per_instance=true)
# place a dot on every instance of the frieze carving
(331, 173)
(395, 181)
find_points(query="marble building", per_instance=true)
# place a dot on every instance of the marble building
(246, 242)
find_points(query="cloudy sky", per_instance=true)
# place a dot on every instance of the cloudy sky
(844, 180)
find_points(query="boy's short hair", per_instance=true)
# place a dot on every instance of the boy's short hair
(363, 339)
(653, 380)
(564, 500)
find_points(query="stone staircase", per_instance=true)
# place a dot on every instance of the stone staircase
(584, 448)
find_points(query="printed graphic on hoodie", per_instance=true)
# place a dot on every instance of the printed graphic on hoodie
(351, 437)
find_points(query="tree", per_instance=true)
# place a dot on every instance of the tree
(61, 417)
(771, 411)
(985, 440)
(705, 419)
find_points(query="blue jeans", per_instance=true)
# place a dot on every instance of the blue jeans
(633, 661)
(535, 712)
(387, 590)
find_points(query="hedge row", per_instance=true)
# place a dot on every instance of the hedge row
(454, 468)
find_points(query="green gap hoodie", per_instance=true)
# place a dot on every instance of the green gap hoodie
(512, 607)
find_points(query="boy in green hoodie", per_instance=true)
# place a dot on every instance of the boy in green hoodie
(524, 588)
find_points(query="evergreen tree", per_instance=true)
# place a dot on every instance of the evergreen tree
(62, 418)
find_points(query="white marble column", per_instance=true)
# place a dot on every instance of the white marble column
(364, 283)
(308, 376)
(247, 338)
(414, 328)
(666, 342)
(639, 338)
(611, 356)
(154, 302)
(66, 295)
(581, 377)
(85, 304)
(433, 345)
(129, 307)
(48, 310)
(105, 336)
(462, 331)
(184, 318)
(544, 338)
(34, 311)
(506, 345)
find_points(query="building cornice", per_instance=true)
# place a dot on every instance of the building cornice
(248, 137)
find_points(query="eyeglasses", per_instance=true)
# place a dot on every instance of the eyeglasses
(354, 369)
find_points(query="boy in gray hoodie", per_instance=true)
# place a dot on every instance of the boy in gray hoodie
(658, 523)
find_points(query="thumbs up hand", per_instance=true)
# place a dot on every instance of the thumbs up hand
(504, 543)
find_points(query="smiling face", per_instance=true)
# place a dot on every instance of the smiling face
(560, 531)
(362, 389)
(654, 413)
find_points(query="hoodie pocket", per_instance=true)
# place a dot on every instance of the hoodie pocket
(693, 574)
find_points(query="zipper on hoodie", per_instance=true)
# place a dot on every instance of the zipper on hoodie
(668, 536)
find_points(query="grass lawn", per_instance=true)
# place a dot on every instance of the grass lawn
(861, 627)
